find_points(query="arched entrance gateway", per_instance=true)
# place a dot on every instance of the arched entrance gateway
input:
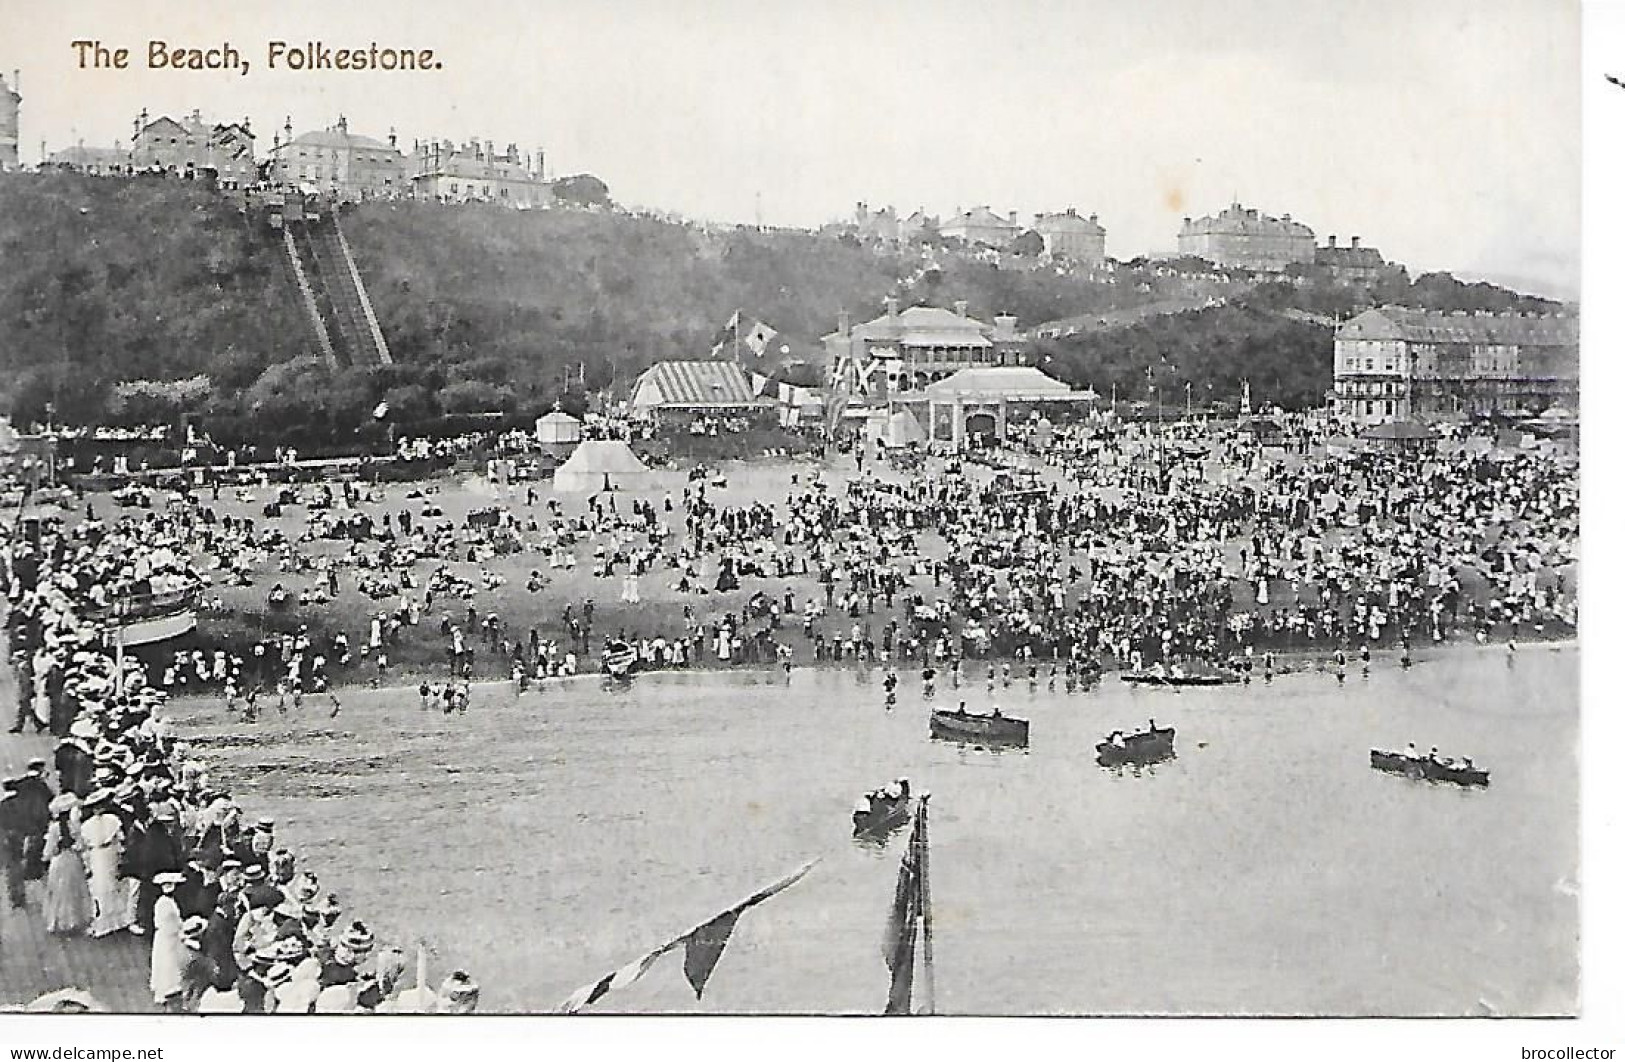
(975, 403)
(982, 429)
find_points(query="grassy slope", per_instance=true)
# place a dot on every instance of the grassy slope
(109, 279)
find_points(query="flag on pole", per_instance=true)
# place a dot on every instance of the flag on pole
(728, 334)
(759, 336)
(910, 906)
(702, 949)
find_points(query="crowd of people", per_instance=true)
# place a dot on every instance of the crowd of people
(134, 837)
(1102, 553)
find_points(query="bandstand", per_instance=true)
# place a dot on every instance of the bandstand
(976, 401)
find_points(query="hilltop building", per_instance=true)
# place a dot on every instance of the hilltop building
(918, 225)
(97, 160)
(905, 351)
(338, 162)
(1078, 239)
(188, 146)
(1241, 238)
(879, 224)
(981, 225)
(1396, 363)
(472, 172)
(1353, 263)
(11, 103)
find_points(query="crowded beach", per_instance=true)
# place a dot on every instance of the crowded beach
(1110, 547)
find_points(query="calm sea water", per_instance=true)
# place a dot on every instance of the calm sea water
(543, 842)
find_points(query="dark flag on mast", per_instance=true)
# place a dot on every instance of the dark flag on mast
(702, 948)
(911, 910)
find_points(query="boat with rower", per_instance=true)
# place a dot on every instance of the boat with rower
(619, 659)
(1142, 748)
(971, 728)
(880, 812)
(1180, 675)
(1430, 767)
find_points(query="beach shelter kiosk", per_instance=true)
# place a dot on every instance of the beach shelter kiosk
(557, 428)
(600, 464)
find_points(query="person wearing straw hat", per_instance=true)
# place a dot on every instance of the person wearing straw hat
(75, 766)
(217, 941)
(168, 954)
(102, 832)
(299, 993)
(258, 892)
(161, 853)
(198, 971)
(13, 841)
(35, 794)
(202, 889)
(67, 907)
(459, 994)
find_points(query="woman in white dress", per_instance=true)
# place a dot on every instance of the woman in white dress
(168, 950)
(68, 908)
(103, 836)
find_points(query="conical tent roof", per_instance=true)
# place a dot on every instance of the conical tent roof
(903, 429)
(600, 464)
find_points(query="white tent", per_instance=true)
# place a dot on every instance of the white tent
(557, 427)
(902, 428)
(601, 465)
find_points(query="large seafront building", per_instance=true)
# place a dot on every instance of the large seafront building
(1240, 238)
(1396, 363)
(11, 102)
(908, 349)
(338, 162)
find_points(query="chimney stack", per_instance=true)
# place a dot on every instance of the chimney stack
(1331, 241)
(891, 306)
(844, 324)
(1355, 243)
(960, 307)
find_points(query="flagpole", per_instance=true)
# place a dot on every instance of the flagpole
(928, 980)
(738, 320)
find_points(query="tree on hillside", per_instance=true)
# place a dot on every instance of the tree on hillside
(581, 190)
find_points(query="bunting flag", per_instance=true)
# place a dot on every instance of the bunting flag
(702, 947)
(910, 907)
(759, 336)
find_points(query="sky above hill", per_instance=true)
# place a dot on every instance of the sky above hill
(1444, 132)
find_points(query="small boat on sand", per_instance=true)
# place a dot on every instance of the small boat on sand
(619, 659)
(1430, 768)
(1151, 745)
(970, 728)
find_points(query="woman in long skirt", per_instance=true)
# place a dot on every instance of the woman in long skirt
(103, 836)
(168, 950)
(68, 906)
